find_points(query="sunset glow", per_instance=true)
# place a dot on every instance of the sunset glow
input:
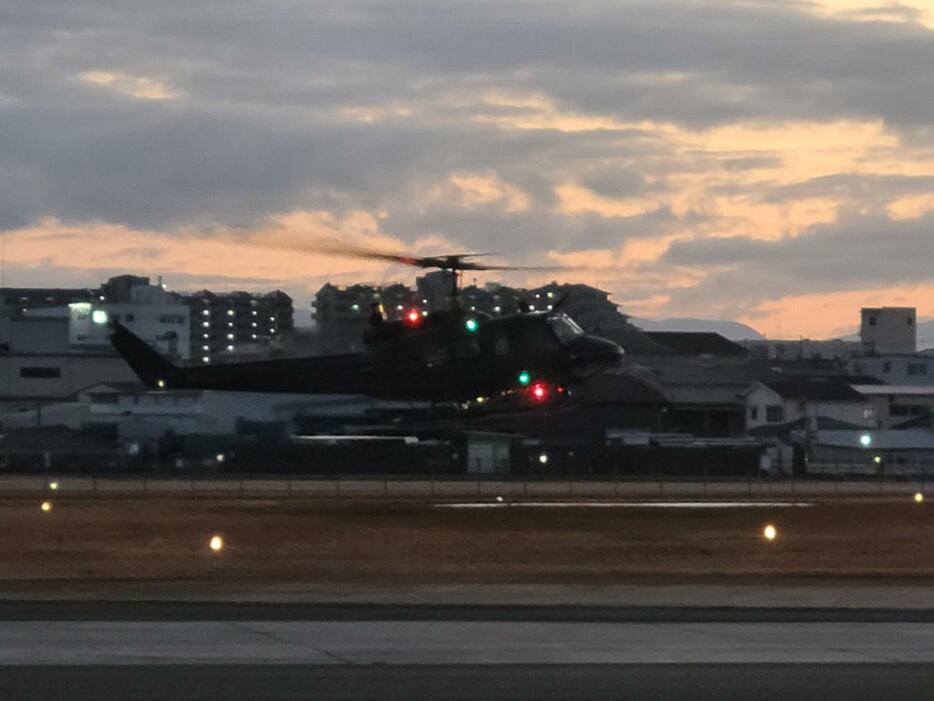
(697, 174)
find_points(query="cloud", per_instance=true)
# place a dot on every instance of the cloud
(854, 255)
(140, 87)
(720, 132)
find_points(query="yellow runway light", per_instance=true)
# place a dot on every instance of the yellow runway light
(46, 506)
(769, 532)
(216, 544)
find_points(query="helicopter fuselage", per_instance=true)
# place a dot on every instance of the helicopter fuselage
(445, 356)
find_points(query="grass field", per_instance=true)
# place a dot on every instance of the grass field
(419, 543)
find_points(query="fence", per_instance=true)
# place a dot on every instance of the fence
(392, 487)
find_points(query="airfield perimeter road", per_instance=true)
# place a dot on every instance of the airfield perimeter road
(157, 650)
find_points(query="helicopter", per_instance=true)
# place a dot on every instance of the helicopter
(448, 355)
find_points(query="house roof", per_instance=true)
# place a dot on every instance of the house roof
(828, 389)
(911, 439)
(697, 343)
(621, 389)
(917, 390)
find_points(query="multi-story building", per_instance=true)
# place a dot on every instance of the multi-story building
(885, 330)
(802, 349)
(894, 369)
(155, 315)
(221, 325)
(342, 313)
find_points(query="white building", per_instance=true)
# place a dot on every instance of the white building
(38, 366)
(801, 349)
(885, 330)
(896, 405)
(895, 369)
(807, 403)
(156, 316)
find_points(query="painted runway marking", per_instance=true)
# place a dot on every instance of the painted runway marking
(625, 504)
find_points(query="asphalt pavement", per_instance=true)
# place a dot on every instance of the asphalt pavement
(178, 650)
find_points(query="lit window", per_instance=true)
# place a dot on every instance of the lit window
(206, 336)
(205, 359)
(253, 324)
(229, 323)
(206, 324)
(272, 318)
(230, 337)
(254, 312)
(230, 348)
(272, 330)
(254, 336)
(205, 348)
(206, 313)
(230, 312)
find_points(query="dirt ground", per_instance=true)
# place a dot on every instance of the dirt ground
(417, 543)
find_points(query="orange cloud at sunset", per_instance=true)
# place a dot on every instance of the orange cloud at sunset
(836, 313)
(282, 251)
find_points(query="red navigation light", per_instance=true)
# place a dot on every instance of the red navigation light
(539, 391)
(413, 317)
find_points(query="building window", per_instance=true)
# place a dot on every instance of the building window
(754, 413)
(872, 321)
(38, 372)
(774, 413)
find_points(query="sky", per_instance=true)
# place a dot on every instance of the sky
(766, 161)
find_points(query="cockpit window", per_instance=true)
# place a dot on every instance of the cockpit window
(565, 328)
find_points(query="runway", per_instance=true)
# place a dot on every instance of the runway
(84, 651)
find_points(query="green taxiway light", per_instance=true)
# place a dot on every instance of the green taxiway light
(524, 377)
(471, 325)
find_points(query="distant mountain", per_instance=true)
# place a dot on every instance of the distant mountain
(732, 330)
(925, 334)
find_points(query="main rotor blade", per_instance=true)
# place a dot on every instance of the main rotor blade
(452, 261)
(536, 268)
